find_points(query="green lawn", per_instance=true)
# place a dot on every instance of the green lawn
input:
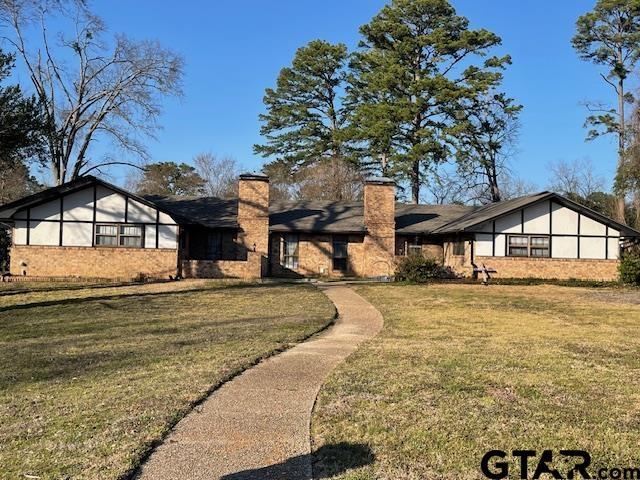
(91, 377)
(462, 369)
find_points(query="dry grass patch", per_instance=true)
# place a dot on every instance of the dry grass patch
(462, 369)
(91, 378)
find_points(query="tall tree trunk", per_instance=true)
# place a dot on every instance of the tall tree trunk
(621, 193)
(415, 182)
(636, 204)
(493, 185)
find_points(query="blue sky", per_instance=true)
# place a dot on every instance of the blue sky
(234, 49)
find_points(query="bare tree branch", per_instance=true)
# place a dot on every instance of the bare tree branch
(114, 93)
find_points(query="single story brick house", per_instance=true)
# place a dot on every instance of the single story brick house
(90, 228)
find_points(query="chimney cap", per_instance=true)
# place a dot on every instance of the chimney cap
(379, 181)
(254, 176)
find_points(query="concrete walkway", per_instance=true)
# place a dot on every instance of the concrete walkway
(256, 427)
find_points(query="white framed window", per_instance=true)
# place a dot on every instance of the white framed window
(291, 251)
(458, 248)
(119, 235)
(536, 246)
(414, 246)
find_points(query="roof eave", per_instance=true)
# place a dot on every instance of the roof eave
(44, 196)
(542, 196)
(325, 231)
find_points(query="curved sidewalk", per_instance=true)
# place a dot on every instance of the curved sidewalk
(256, 427)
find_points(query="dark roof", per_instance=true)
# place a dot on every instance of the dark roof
(496, 210)
(321, 216)
(489, 212)
(414, 219)
(210, 212)
(379, 181)
(336, 217)
(317, 216)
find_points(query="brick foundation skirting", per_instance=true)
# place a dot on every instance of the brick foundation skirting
(551, 268)
(93, 262)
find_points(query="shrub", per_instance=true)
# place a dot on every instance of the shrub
(419, 269)
(629, 268)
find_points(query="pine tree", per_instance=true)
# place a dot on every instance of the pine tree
(610, 36)
(415, 63)
(305, 118)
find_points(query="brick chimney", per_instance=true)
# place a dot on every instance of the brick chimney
(379, 220)
(253, 220)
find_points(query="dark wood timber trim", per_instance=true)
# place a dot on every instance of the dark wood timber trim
(95, 206)
(61, 219)
(493, 236)
(567, 235)
(550, 229)
(44, 220)
(157, 227)
(473, 254)
(506, 244)
(578, 235)
(28, 225)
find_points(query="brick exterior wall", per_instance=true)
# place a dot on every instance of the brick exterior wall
(316, 255)
(244, 269)
(379, 220)
(433, 250)
(512, 267)
(459, 265)
(369, 255)
(556, 268)
(93, 262)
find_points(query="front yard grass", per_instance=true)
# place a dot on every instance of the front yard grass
(459, 370)
(92, 377)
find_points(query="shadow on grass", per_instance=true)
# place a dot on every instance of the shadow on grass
(74, 287)
(336, 458)
(72, 301)
(54, 359)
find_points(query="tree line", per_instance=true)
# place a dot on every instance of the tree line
(422, 88)
(420, 99)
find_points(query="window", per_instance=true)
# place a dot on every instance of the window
(130, 236)
(340, 253)
(401, 247)
(414, 246)
(116, 235)
(291, 251)
(528, 246)
(107, 235)
(208, 244)
(539, 246)
(213, 248)
(458, 247)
